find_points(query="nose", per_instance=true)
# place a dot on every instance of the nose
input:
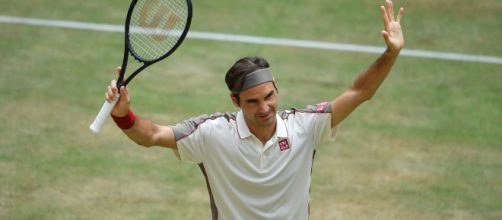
(263, 108)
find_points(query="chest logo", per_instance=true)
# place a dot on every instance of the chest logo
(284, 144)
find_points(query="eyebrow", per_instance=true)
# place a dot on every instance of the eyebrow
(269, 94)
(266, 97)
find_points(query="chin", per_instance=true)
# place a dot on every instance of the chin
(269, 122)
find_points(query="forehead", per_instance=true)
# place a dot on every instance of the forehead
(257, 92)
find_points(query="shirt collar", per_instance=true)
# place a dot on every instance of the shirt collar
(244, 132)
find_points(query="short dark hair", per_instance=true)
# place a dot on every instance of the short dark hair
(243, 67)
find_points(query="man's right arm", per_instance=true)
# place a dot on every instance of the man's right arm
(144, 132)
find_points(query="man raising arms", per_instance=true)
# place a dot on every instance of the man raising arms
(257, 161)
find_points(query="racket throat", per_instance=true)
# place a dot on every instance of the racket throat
(120, 84)
(120, 80)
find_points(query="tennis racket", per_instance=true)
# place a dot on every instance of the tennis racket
(153, 30)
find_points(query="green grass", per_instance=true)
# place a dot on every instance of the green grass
(427, 146)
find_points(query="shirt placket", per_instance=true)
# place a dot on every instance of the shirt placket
(263, 158)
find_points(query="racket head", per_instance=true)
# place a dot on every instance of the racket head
(156, 28)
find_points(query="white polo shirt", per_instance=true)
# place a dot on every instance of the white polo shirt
(249, 180)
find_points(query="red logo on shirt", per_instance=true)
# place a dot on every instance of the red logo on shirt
(321, 106)
(283, 145)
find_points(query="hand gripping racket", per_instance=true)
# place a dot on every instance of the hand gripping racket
(153, 31)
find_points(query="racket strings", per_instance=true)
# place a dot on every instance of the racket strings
(156, 27)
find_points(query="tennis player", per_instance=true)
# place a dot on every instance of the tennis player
(257, 162)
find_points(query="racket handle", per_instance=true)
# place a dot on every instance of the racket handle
(103, 114)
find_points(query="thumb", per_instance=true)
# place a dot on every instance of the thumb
(122, 107)
(385, 35)
(124, 95)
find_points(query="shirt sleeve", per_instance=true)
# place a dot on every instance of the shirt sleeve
(316, 120)
(190, 138)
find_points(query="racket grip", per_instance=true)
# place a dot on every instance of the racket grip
(103, 114)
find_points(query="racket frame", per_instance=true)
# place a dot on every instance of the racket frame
(107, 107)
(128, 47)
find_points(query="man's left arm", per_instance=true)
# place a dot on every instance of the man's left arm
(366, 84)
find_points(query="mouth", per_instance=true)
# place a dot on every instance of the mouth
(265, 117)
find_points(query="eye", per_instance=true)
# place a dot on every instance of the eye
(269, 96)
(252, 101)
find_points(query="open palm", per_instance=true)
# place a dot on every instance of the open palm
(393, 34)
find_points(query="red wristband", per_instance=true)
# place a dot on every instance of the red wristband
(125, 122)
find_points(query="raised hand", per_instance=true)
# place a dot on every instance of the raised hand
(392, 34)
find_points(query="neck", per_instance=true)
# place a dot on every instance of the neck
(263, 133)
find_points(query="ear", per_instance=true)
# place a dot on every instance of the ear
(234, 100)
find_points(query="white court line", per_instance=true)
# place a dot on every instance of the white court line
(260, 40)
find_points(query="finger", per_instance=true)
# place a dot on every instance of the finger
(107, 97)
(109, 94)
(390, 9)
(400, 14)
(119, 69)
(384, 15)
(113, 86)
(125, 93)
